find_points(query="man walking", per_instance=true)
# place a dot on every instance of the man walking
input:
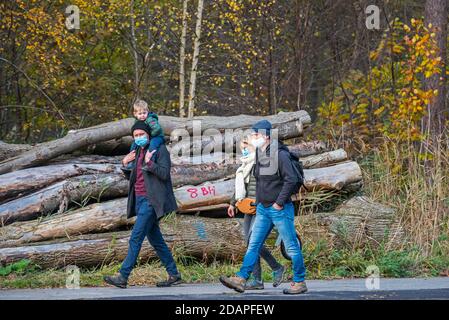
(150, 197)
(277, 180)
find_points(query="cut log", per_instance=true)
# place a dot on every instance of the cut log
(59, 195)
(324, 159)
(307, 148)
(203, 238)
(357, 222)
(77, 139)
(92, 218)
(301, 150)
(22, 182)
(206, 194)
(8, 150)
(334, 177)
(206, 208)
(107, 216)
(215, 141)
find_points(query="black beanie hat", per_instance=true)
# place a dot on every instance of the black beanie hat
(139, 124)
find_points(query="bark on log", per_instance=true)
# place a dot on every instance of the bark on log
(77, 139)
(301, 150)
(15, 184)
(9, 150)
(214, 142)
(107, 216)
(356, 222)
(307, 148)
(202, 238)
(324, 159)
(59, 195)
(333, 177)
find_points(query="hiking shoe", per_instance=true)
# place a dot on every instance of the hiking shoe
(296, 288)
(171, 281)
(254, 284)
(278, 276)
(117, 280)
(235, 283)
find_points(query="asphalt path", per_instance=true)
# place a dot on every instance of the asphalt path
(346, 289)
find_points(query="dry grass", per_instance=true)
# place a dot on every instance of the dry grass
(414, 180)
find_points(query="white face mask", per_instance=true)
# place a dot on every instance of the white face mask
(259, 142)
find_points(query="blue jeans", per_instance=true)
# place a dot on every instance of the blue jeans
(147, 225)
(283, 219)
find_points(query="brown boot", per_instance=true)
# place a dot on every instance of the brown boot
(236, 283)
(296, 288)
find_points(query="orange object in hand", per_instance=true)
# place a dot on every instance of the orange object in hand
(247, 206)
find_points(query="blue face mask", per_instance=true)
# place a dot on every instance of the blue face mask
(141, 141)
(245, 152)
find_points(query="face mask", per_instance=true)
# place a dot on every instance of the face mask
(259, 142)
(141, 141)
(245, 152)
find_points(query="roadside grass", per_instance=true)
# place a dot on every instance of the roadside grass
(322, 262)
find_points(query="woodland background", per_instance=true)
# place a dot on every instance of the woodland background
(380, 94)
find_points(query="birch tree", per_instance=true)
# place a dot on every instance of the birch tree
(182, 57)
(196, 50)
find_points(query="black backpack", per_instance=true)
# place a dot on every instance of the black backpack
(297, 166)
(299, 169)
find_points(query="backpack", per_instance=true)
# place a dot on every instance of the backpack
(297, 166)
(299, 169)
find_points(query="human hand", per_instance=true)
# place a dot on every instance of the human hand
(277, 207)
(129, 157)
(148, 155)
(231, 211)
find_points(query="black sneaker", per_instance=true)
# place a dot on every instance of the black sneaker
(279, 276)
(171, 281)
(117, 280)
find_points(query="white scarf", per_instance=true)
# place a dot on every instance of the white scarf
(242, 175)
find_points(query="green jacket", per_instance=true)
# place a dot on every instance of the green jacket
(153, 122)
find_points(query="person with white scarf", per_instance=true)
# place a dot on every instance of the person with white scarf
(245, 187)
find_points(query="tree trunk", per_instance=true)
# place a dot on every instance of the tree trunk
(196, 51)
(25, 181)
(324, 159)
(333, 177)
(203, 238)
(8, 150)
(60, 195)
(436, 13)
(78, 139)
(356, 222)
(307, 148)
(214, 141)
(82, 188)
(182, 59)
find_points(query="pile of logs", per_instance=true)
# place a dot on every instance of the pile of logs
(64, 202)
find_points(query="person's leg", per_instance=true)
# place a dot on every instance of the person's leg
(261, 229)
(155, 142)
(284, 222)
(248, 222)
(155, 238)
(138, 234)
(266, 255)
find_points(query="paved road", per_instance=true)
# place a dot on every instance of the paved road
(429, 288)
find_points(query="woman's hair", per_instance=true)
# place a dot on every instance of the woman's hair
(244, 143)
